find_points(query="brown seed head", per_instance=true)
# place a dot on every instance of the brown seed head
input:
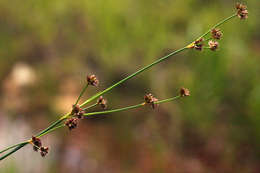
(92, 80)
(150, 99)
(216, 33)
(80, 114)
(102, 102)
(184, 92)
(44, 151)
(75, 109)
(198, 45)
(213, 45)
(36, 143)
(242, 12)
(72, 123)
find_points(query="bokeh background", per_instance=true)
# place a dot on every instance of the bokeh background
(47, 48)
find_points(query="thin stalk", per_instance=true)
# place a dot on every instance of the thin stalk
(129, 107)
(217, 25)
(81, 93)
(14, 150)
(53, 129)
(12, 147)
(89, 107)
(133, 75)
(50, 127)
(53, 125)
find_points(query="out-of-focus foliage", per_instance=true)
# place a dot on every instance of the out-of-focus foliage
(47, 48)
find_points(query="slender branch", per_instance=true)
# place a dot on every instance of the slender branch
(51, 126)
(53, 129)
(55, 126)
(81, 93)
(129, 107)
(217, 25)
(14, 150)
(91, 106)
(8, 148)
(133, 75)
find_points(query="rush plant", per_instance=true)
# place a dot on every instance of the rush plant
(208, 40)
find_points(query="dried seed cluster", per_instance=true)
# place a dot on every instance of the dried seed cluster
(102, 102)
(216, 34)
(242, 12)
(198, 44)
(72, 123)
(150, 99)
(213, 45)
(37, 146)
(92, 80)
(184, 92)
(77, 113)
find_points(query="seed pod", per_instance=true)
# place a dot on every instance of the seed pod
(102, 102)
(184, 92)
(150, 99)
(92, 80)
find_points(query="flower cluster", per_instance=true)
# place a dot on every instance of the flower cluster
(92, 80)
(77, 113)
(150, 99)
(37, 146)
(216, 33)
(102, 102)
(184, 92)
(242, 12)
(72, 123)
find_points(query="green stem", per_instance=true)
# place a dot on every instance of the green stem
(81, 93)
(14, 150)
(133, 75)
(51, 126)
(217, 25)
(129, 107)
(12, 147)
(91, 106)
(53, 129)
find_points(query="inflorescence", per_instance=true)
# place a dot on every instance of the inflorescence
(78, 112)
(216, 33)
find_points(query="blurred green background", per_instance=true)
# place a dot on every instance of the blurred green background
(48, 47)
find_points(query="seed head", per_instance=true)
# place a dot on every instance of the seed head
(44, 151)
(36, 143)
(150, 99)
(198, 45)
(102, 102)
(242, 12)
(72, 123)
(216, 33)
(184, 92)
(75, 109)
(80, 114)
(213, 45)
(92, 80)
